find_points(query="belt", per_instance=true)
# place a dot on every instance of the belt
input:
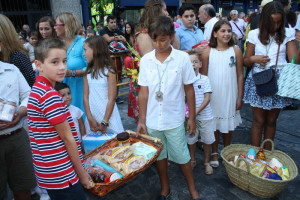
(11, 133)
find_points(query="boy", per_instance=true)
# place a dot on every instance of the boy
(76, 113)
(189, 35)
(161, 101)
(204, 117)
(33, 38)
(55, 146)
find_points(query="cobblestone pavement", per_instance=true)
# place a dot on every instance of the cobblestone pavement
(217, 186)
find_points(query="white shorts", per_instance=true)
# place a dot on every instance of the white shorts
(206, 132)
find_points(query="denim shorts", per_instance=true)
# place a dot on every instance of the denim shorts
(175, 144)
(74, 192)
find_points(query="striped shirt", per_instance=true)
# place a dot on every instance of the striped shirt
(52, 164)
(202, 86)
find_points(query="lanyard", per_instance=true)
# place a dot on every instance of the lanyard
(269, 46)
(160, 77)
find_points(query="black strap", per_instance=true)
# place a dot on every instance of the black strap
(239, 29)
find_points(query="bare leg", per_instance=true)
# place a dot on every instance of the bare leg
(188, 174)
(22, 195)
(259, 120)
(192, 150)
(206, 148)
(162, 167)
(215, 145)
(227, 138)
(270, 126)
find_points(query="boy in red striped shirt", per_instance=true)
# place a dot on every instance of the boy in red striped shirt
(56, 151)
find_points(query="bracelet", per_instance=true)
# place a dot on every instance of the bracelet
(239, 99)
(73, 73)
(104, 123)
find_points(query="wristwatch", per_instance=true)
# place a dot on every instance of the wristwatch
(73, 73)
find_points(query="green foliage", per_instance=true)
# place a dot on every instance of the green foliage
(101, 6)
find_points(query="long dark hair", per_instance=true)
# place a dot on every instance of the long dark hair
(51, 22)
(127, 36)
(266, 23)
(101, 57)
(213, 40)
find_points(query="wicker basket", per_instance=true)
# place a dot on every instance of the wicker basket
(102, 189)
(258, 186)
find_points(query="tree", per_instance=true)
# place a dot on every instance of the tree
(101, 6)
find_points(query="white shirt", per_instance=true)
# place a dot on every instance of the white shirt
(13, 87)
(242, 27)
(298, 23)
(170, 112)
(76, 114)
(208, 28)
(261, 49)
(202, 86)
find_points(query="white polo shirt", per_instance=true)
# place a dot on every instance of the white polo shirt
(170, 112)
(208, 27)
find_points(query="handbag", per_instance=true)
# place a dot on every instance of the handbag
(289, 81)
(265, 81)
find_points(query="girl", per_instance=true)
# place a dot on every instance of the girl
(226, 77)
(46, 28)
(261, 53)
(100, 88)
(129, 33)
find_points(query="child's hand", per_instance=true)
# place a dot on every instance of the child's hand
(85, 179)
(94, 125)
(200, 49)
(191, 127)
(103, 128)
(238, 105)
(141, 129)
(261, 60)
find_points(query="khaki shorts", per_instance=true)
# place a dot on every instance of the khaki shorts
(174, 141)
(206, 133)
(16, 166)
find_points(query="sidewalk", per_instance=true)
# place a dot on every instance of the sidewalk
(146, 186)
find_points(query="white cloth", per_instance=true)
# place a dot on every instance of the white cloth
(242, 26)
(13, 87)
(261, 49)
(208, 28)
(76, 114)
(30, 50)
(297, 27)
(223, 80)
(98, 99)
(170, 112)
(202, 86)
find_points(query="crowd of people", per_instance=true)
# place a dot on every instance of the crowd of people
(191, 86)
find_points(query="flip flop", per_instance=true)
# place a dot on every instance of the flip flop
(208, 169)
(214, 163)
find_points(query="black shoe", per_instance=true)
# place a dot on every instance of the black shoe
(162, 197)
(291, 107)
(119, 100)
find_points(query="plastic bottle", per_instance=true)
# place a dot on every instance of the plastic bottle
(8, 111)
(251, 154)
(260, 154)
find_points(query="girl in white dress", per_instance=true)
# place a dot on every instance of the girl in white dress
(100, 88)
(223, 64)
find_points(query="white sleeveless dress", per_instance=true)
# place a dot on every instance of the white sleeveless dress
(223, 79)
(98, 98)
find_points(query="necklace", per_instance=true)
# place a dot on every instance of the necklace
(159, 93)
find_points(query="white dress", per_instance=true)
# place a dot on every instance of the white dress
(98, 98)
(223, 79)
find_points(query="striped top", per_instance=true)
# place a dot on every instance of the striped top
(52, 164)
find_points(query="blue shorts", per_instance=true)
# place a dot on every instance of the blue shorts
(175, 144)
(74, 192)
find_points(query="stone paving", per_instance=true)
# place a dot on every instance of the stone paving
(217, 186)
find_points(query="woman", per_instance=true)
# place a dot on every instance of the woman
(143, 45)
(12, 51)
(263, 44)
(129, 32)
(46, 28)
(67, 27)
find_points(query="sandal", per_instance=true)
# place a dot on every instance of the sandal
(208, 169)
(214, 163)
(193, 163)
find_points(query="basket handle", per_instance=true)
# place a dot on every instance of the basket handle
(272, 144)
(245, 160)
(154, 139)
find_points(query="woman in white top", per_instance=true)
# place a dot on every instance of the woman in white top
(261, 52)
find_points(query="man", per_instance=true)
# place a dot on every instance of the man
(242, 16)
(111, 33)
(207, 16)
(238, 27)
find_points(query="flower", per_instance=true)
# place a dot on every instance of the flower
(134, 72)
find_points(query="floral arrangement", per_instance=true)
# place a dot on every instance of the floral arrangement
(134, 73)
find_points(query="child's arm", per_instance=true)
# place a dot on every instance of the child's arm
(81, 126)
(64, 131)
(204, 103)
(190, 96)
(240, 77)
(94, 125)
(204, 59)
(112, 94)
(251, 58)
(143, 100)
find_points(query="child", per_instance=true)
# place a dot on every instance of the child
(90, 33)
(33, 38)
(161, 101)
(56, 151)
(204, 117)
(100, 88)
(76, 113)
(223, 63)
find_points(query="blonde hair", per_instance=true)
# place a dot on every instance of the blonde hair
(9, 39)
(71, 22)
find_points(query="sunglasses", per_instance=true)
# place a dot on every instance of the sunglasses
(59, 24)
